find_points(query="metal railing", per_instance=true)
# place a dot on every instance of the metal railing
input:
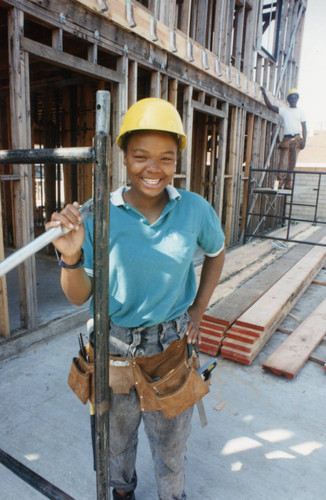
(286, 217)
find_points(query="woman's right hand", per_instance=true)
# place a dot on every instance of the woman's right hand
(69, 245)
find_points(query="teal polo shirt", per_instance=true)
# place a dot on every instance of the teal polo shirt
(152, 276)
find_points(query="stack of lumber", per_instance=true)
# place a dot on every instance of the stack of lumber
(219, 318)
(212, 332)
(245, 339)
(291, 355)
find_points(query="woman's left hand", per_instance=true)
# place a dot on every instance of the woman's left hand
(193, 330)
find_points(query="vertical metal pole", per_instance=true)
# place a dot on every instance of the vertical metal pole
(317, 198)
(101, 291)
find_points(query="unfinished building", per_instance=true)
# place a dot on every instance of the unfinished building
(208, 57)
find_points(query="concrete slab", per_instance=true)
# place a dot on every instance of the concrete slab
(265, 437)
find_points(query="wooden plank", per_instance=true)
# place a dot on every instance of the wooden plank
(4, 316)
(230, 308)
(21, 139)
(245, 256)
(209, 110)
(203, 157)
(117, 15)
(213, 160)
(291, 355)
(85, 135)
(272, 308)
(155, 86)
(231, 168)
(249, 141)
(238, 177)
(188, 114)
(59, 58)
(221, 165)
(132, 82)
(316, 282)
(119, 103)
(249, 48)
(185, 16)
(277, 303)
(239, 31)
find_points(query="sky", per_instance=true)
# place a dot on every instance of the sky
(312, 74)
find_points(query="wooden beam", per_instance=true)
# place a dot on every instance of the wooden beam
(155, 90)
(249, 43)
(57, 39)
(21, 139)
(291, 355)
(119, 100)
(173, 91)
(222, 147)
(4, 316)
(246, 174)
(85, 135)
(185, 16)
(239, 28)
(143, 19)
(165, 87)
(188, 114)
(233, 160)
(59, 58)
(268, 312)
(132, 82)
(209, 110)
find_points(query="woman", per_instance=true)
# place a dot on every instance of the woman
(154, 232)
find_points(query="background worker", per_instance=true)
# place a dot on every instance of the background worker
(294, 124)
(154, 231)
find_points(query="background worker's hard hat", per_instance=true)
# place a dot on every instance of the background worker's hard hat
(152, 113)
(293, 91)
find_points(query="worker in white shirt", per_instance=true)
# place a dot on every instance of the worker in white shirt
(295, 133)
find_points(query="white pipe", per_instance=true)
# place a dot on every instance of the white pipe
(41, 241)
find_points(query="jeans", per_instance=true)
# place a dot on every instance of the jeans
(167, 437)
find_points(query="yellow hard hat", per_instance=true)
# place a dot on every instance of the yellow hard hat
(153, 113)
(293, 91)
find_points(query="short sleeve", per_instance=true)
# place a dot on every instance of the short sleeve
(88, 247)
(302, 116)
(211, 237)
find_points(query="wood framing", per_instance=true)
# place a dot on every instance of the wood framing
(205, 57)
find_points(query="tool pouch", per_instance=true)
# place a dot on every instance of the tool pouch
(168, 382)
(190, 389)
(79, 378)
(175, 390)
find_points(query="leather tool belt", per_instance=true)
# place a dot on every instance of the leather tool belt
(168, 382)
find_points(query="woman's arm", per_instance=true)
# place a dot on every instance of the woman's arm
(75, 283)
(210, 275)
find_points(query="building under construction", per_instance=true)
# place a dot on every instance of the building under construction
(208, 57)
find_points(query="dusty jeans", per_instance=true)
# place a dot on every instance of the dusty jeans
(167, 437)
(289, 150)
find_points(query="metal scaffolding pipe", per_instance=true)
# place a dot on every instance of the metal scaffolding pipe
(54, 155)
(40, 242)
(100, 156)
(101, 292)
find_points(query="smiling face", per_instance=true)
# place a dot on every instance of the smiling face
(150, 158)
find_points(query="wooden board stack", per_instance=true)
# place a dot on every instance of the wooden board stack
(245, 339)
(291, 355)
(212, 333)
(220, 317)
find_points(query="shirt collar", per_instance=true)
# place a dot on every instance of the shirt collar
(117, 196)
